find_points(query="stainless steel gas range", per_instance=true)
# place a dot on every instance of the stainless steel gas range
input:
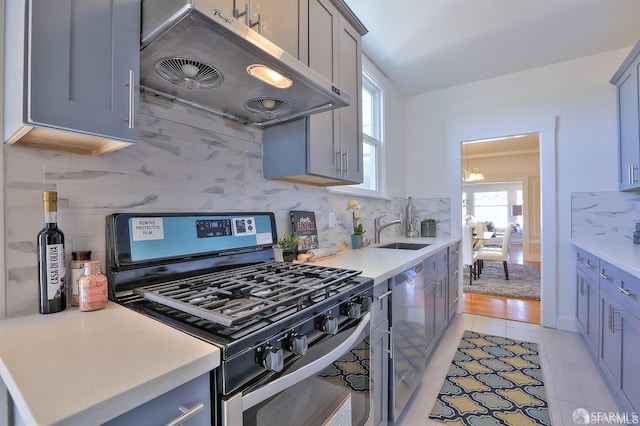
(294, 338)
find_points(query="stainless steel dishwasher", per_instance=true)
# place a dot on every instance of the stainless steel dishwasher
(408, 334)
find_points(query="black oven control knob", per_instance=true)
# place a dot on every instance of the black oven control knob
(365, 301)
(298, 343)
(272, 358)
(354, 309)
(330, 325)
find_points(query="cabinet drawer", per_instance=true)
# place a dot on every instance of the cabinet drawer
(625, 286)
(587, 263)
(454, 249)
(430, 270)
(442, 260)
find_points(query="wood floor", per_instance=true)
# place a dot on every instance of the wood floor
(504, 307)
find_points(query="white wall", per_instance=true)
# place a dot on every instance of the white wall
(573, 97)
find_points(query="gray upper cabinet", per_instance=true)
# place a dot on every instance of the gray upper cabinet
(628, 98)
(74, 84)
(326, 148)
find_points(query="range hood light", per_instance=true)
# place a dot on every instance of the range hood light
(269, 76)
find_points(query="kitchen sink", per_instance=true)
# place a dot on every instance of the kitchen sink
(404, 246)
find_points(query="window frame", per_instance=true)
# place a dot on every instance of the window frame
(370, 84)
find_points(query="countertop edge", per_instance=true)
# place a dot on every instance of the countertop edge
(114, 397)
(623, 256)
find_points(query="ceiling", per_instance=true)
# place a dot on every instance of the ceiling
(425, 45)
(525, 144)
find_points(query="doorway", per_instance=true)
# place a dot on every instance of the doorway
(501, 188)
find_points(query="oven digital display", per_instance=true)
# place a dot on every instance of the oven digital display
(214, 228)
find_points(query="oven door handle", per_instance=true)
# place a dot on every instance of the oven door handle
(233, 407)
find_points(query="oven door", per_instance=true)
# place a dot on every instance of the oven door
(328, 385)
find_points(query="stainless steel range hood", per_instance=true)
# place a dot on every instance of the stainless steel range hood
(196, 53)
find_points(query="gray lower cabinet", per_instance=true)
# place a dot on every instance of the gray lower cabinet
(326, 148)
(609, 354)
(441, 307)
(630, 362)
(453, 295)
(193, 397)
(588, 310)
(380, 373)
(380, 351)
(628, 97)
(616, 338)
(74, 81)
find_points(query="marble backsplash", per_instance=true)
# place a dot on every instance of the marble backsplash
(609, 214)
(186, 161)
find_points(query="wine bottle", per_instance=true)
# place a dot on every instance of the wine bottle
(51, 260)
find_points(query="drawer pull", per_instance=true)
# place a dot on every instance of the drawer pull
(383, 295)
(590, 266)
(605, 277)
(187, 413)
(626, 292)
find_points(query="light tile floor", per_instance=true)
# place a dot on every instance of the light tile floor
(570, 374)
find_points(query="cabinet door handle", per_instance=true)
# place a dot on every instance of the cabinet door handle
(339, 161)
(614, 327)
(383, 295)
(390, 350)
(346, 161)
(610, 318)
(187, 413)
(626, 292)
(605, 277)
(132, 100)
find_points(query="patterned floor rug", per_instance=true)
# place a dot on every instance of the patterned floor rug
(493, 381)
(523, 283)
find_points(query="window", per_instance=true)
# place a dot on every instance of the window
(492, 207)
(372, 131)
(372, 145)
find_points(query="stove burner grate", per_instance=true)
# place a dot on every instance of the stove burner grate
(232, 296)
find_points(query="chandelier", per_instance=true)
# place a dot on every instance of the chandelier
(471, 174)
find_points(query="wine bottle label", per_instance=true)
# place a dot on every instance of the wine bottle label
(55, 271)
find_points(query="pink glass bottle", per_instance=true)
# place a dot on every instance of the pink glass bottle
(92, 287)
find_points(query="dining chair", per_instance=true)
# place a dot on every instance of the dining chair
(469, 259)
(497, 253)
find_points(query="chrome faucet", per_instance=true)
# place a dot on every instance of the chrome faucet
(379, 228)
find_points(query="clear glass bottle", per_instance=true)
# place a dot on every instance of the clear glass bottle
(51, 260)
(92, 287)
(78, 260)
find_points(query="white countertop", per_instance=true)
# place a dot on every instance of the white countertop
(625, 256)
(382, 264)
(81, 368)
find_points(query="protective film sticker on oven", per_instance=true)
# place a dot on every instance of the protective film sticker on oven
(147, 228)
(175, 236)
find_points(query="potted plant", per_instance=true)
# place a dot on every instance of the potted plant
(428, 227)
(358, 230)
(287, 248)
